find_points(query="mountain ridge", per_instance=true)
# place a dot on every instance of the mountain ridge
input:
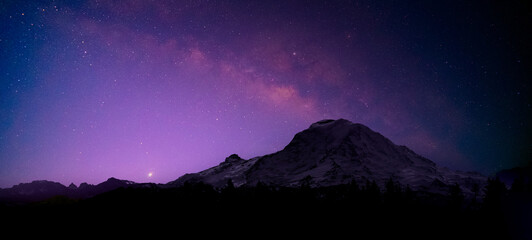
(39, 190)
(332, 152)
(329, 152)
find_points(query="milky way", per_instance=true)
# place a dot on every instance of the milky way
(150, 90)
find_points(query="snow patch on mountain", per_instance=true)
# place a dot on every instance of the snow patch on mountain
(334, 152)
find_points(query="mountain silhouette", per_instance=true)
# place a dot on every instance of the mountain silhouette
(336, 177)
(332, 152)
(328, 153)
(42, 189)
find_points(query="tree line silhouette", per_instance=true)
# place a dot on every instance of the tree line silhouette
(357, 209)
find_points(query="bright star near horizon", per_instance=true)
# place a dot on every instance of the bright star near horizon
(82, 76)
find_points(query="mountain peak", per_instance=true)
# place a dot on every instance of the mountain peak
(333, 152)
(328, 122)
(113, 179)
(331, 133)
(116, 181)
(233, 158)
(338, 129)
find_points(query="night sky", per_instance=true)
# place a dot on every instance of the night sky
(150, 90)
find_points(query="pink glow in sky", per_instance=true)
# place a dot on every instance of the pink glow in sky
(151, 90)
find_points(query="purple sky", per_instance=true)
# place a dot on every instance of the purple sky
(93, 90)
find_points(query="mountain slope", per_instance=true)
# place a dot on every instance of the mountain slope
(332, 152)
(329, 152)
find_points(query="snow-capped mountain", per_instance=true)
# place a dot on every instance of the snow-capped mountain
(329, 152)
(333, 152)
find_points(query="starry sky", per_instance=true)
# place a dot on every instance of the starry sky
(150, 90)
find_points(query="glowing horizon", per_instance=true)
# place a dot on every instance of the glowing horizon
(149, 91)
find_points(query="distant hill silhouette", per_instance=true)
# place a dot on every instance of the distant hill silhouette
(522, 174)
(41, 190)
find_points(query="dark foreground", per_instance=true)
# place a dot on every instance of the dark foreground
(346, 211)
